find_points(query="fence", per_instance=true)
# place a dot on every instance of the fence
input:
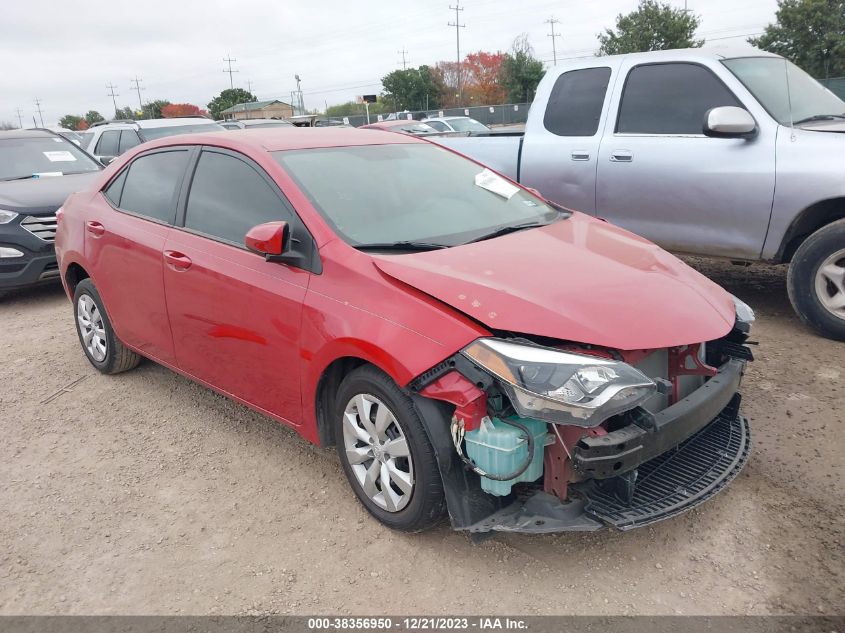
(835, 85)
(505, 114)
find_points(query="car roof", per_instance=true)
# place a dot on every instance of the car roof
(274, 139)
(26, 133)
(151, 123)
(693, 54)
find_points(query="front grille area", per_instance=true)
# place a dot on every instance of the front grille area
(43, 226)
(678, 479)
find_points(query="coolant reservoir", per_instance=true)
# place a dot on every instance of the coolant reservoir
(499, 448)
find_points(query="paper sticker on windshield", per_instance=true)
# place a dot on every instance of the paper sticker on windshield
(62, 156)
(495, 183)
(57, 140)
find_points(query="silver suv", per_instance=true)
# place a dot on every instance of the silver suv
(109, 139)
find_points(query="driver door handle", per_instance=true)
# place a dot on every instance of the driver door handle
(95, 228)
(621, 156)
(177, 261)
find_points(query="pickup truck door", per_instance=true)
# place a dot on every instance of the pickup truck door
(660, 177)
(561, 143)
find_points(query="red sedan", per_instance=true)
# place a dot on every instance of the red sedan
(470, 347)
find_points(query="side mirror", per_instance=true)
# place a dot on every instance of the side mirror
(729, 122)
(271, 239)
(105, 161)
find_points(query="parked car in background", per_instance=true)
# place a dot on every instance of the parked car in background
(38, 170)
(728, 153)
(415, 327)
(456, 124)
(243, 124)
(414, 128)
(109, 139)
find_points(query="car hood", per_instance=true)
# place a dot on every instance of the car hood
(580, 280)
(37, 196)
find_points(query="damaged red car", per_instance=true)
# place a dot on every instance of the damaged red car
(469, 347)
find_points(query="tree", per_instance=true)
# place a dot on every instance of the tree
(124, 113)
(181, 109)
(521, 72)
(227, 99)
(71, 121)
(810, 33)
(654, 26)
(5, 125)
(352, 108)
(83, 125)
(152, 109)
(412, 89)
(92, 117)
(481, 77)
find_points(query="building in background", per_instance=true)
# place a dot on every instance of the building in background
(273, 109)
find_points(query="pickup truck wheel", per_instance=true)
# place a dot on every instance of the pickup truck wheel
(385, 452)
(102, 348)
(816, 281)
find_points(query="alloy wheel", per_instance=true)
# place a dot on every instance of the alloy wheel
(377, 451)
(830, 284)
(91, 328)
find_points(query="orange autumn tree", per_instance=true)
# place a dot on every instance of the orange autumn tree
(481, 78)
(181, 109)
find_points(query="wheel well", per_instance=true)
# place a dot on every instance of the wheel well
(327, 387)
(75, 274)
(808, 222)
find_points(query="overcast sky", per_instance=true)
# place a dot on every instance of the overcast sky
(65, 52)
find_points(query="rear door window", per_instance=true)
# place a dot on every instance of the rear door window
(128, 140)
(152, 184)
(670, 99)
(108, 143)
(228, 197)
(576, 102)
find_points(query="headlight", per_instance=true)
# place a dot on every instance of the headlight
(7, 216)
(744, 315)
(558, 386)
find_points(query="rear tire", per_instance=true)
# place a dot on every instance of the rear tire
(816, 281)
(385, 452)
(96, 335)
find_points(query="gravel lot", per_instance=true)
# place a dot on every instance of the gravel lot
(145, 493)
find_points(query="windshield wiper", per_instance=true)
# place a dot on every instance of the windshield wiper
(820, 117)
(400, 246)
(507, 229)
(18, 178)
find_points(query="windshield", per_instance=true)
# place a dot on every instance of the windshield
(467, 125)
(42, 156)
(150, 133)
(776, 83)
(385, 194)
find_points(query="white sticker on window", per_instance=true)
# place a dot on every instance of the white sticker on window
(47, 174)
(495, 183)
(59, 157)
(57, 140)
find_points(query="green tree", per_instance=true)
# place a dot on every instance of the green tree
(413, 89)
(654, 26)
(521, 71)
(228, 98)
(71, 121)
(92, 117)
(352, 108)
(125, 112)
(152, 109)
(809, 33)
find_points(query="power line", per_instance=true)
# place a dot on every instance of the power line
(137, 81)
(38, 106)
(229, 60)
(20, 118)
(403, 52)
(458, 26)
(113, 95)
(551, 22)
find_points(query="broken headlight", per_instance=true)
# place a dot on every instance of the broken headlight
(744, 314)
(558, 386)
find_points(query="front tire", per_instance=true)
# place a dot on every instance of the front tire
(816, 281)
(96, 335)
(385, 452)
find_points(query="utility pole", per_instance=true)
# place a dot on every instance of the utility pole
(138, 89)
(38, 106)
(552, 21)
(403, 52)
(249, 87)
(113, 95)
(20, 118)
(229, 60)
(458, 26)
(299, 95)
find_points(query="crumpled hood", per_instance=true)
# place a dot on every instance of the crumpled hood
(579, 279)
(39, 196)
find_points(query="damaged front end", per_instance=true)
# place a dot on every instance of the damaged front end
(566, 437)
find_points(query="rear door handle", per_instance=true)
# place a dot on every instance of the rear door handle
(580, 154)
(177, 261)
(621, 156)
(95, 228)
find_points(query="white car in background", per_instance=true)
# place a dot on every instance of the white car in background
(247, 124)
(456, 124)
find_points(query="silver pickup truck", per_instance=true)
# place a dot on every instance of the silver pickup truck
(728, 153)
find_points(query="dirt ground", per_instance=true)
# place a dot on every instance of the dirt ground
(144, 493)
